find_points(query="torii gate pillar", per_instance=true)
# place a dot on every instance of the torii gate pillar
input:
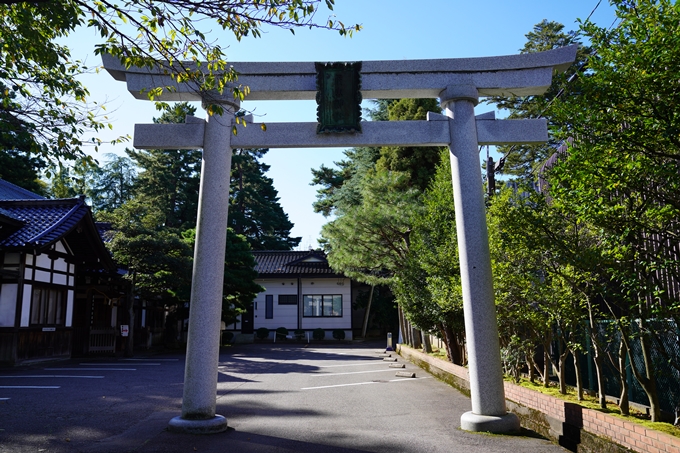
(481, 328)
(205, 312)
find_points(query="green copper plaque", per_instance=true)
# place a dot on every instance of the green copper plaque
(338, 97)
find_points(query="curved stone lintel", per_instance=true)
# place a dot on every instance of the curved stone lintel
(497, 424)
(559, 59)
(518, 75)
(217, 424)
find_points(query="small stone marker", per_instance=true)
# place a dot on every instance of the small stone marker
(397, 365)
(407, 374)
(388, 359)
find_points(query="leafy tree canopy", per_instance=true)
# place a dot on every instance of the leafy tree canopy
(40, 90)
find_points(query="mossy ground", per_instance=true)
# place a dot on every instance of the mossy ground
(590, 402)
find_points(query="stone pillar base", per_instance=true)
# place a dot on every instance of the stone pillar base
(498, 424)
(214, 425)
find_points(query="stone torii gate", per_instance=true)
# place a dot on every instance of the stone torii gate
(458, 83)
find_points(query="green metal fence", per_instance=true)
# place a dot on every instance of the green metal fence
(667, 376)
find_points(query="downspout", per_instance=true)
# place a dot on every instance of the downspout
(299, 297)
(367, 314)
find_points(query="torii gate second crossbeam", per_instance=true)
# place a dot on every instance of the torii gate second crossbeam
(458, 83)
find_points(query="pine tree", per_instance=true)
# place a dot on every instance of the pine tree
(522, 161)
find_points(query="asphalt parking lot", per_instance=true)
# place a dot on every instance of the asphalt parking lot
(276, 398)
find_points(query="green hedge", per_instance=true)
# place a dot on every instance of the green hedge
(262, 333)
(319, 334)
(281, 333)
(299, 334)
(227, 337)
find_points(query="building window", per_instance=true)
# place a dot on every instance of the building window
(288, 299)
(48, 306)
(322, 305)
(269, 307)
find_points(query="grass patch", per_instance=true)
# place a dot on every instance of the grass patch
(590, 402)
(439, 354)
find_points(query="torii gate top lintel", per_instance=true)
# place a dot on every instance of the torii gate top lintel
(521, 75)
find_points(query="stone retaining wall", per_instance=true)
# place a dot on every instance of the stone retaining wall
(571, 425)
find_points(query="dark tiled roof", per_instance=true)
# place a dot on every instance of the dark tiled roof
(285, 262)
(9, 191)
(105, 230)
(7, 216)
(44, 220)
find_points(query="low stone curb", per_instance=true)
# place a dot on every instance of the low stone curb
(571, 425)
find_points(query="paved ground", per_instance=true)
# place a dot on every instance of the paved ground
(277, 398)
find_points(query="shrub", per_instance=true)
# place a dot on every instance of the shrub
(319, 334)
(227, 337)
(339, 334)
(299, 334)
(262, 333)
(281, 333)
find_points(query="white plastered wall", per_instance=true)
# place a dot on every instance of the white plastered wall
(8, 304)
(284, 315)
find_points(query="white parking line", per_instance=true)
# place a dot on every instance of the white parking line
(30, 387)
(351, 372)
(155, 360)
(117, 364)
(53, 376)
(370, 362)
(339, 385)
(364, 383)
(91, 369)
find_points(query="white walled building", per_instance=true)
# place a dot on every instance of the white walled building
(301, 292)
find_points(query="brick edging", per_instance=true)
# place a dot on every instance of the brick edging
(568, 423)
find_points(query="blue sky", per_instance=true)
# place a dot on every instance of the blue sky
(393, 30)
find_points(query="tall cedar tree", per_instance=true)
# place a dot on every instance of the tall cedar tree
(522, 160)
(113, 183)
(170, 179)
(254, 208)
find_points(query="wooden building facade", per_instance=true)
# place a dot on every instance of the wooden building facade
(58, 283)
